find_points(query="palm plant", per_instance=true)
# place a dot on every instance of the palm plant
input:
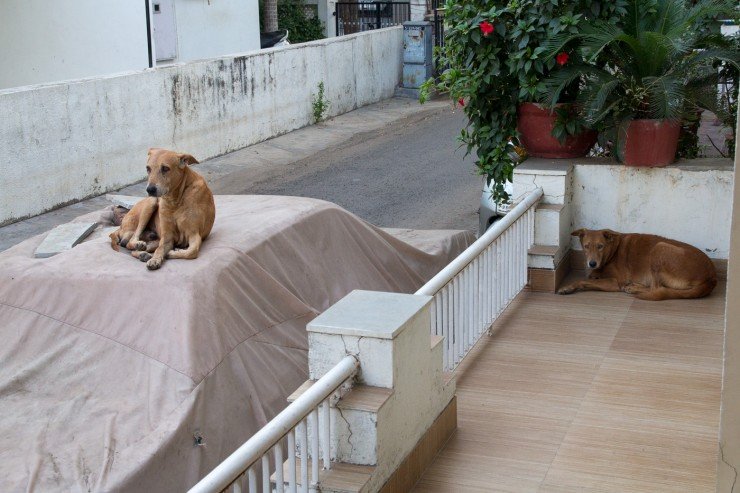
(659, 64)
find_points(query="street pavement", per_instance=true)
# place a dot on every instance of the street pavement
(395, 164)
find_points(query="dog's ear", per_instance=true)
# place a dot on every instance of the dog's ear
(152, 150)
(579, 232)
(610, 235)
(186, 159)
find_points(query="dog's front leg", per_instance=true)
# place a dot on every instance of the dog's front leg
(150, 208)
(608, 284)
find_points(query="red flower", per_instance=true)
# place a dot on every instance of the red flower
(562, 58)
(461, 102)
(486, 28)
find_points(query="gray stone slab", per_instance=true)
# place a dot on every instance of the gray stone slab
(127, 201)
(63, 238)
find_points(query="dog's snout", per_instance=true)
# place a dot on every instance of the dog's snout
(592, 263)
(151, 190)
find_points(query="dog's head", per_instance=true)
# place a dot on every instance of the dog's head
(165, 170)
(598, 245)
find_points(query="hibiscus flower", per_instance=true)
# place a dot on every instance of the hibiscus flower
(486, 28)
(562, 58)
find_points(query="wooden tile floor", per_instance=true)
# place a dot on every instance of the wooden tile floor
(592, 392)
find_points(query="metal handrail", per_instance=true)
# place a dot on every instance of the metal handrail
(261, 442)
(461, 261)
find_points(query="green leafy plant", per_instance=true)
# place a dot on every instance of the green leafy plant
(567, 122)
(729, 77)
(658, 64)
(301, 27)
(319, 104)
(495, 59)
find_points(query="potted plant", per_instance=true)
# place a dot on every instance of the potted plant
(494, 61)
(640, 80)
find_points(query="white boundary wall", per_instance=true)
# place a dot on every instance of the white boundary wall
(692, 204)
(64, 142)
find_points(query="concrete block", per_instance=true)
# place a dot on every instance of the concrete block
(127, 201)
(371, 314)
(62, 238)
(547, 224)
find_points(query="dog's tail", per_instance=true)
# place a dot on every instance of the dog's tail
(114, 240)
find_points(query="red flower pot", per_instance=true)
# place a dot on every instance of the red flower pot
(535, 126)
(650, 143)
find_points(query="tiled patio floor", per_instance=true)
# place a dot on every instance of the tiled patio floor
(589, 392)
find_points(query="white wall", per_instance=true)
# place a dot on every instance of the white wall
(218, 28)
(47, 41)
(692, 205)
(64, 142)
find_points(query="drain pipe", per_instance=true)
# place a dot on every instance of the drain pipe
(150, 33)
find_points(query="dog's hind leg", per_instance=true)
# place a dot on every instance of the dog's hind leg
(664, 293)
(190, 252)
(150, 208)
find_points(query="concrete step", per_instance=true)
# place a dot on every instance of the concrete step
(360, 398)
(545, 256)
(341, 478)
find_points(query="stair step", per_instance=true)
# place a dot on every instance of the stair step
(550, 207)
(360, 398)
(341, 478)
(550, 250)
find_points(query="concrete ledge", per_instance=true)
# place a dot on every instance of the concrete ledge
(424, 452)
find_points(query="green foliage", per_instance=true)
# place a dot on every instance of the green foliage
(292, 16)
(320, 104)
(729, 76)
(494, 73)
(660, 62)
(567, 122)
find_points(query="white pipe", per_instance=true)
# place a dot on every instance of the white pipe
(251, 451)
(453, 268)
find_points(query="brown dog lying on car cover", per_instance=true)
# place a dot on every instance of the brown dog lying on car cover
(177, 216)
(647, 266)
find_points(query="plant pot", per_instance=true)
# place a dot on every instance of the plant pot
(648, 143)
(535, 126)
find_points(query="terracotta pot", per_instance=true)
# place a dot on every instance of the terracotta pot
(535, 126)
(650, 143)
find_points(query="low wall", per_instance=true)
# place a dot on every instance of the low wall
(63, 142)
(689, 202)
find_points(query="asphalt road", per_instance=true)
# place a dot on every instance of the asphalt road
(394, 163)
(410, 174)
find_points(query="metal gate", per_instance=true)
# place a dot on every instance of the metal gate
(354, 17)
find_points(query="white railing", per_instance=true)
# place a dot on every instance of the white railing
(472, 291)
(310, 409)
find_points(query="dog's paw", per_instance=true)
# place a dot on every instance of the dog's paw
(633, 288)
(567, 290)
(173, 253)
(154, 263)
(143, 256)
(137, 245)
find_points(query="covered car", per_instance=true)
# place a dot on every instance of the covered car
(116, 378)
